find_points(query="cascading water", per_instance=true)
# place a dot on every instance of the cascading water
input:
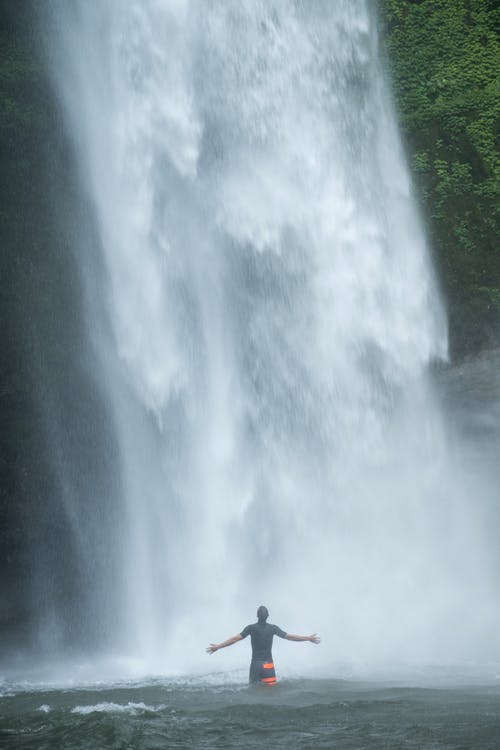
(270, 317)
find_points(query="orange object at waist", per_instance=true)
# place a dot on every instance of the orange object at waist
(269, 680)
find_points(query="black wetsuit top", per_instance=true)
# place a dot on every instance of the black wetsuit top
(261, 634)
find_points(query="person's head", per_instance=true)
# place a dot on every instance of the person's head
(262, 613)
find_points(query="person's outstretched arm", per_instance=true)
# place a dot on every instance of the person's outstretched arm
(312, 638)
(216, 646)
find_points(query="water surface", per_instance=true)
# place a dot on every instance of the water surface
(296, 714)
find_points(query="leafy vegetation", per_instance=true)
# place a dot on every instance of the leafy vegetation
(444, 57)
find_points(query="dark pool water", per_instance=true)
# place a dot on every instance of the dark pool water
(295, 714)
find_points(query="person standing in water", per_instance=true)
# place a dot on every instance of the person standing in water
(261, 635)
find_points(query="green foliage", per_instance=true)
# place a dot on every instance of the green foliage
(445, 62)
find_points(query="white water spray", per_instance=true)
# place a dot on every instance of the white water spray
(273, 317)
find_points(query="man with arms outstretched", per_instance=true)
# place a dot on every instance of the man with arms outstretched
(261, 635)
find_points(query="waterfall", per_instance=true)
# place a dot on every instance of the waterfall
(266, 320)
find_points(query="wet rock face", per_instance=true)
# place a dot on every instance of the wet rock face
(474, 383)
(479, 374)
(470, 391)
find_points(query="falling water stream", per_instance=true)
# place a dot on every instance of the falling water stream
(266, 324)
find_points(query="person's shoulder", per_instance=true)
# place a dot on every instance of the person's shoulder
(278, 631)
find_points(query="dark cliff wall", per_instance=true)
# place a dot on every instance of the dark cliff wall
(55, 447)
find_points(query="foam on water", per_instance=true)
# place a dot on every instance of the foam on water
(129, 708)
